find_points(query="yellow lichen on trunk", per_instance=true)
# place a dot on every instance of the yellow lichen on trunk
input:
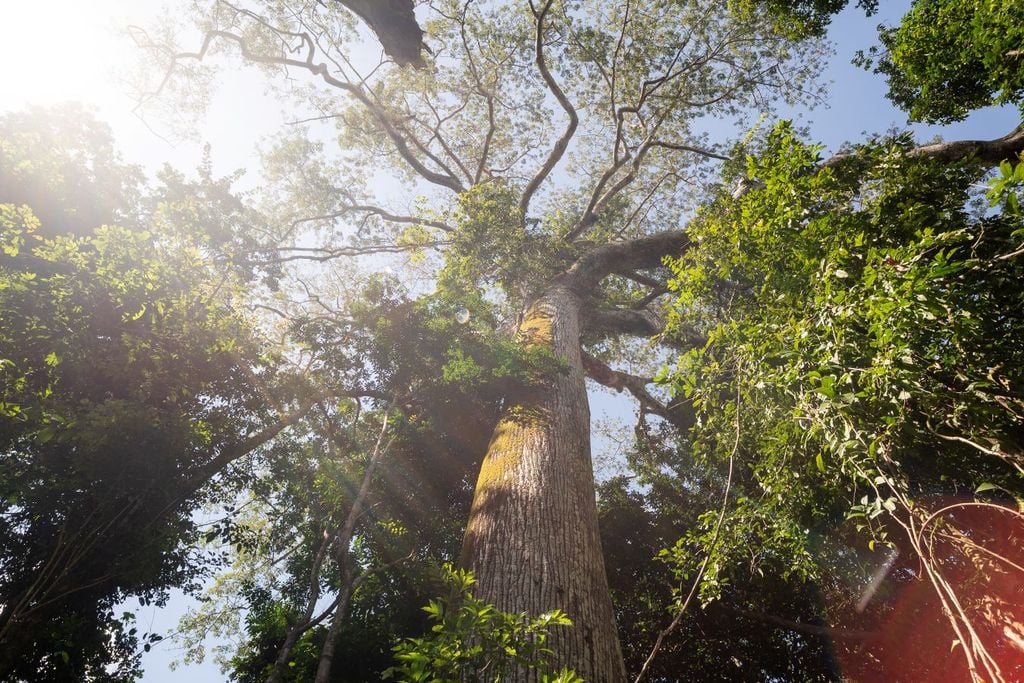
(514, 429)
(532, 538)
(538, 329)
(503, 452)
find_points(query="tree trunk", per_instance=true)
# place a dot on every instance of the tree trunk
(333, 639)
(298, 628)
(342, 542)
(532, 539)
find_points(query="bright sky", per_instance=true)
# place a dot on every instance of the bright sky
(54, 51)
(69, 50)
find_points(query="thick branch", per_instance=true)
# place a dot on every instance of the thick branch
(394, 23)
(657, 287)
(1007, 148)
(680, 415)
(641, 279)
(620, 257)
(993, 152)
(640, 323)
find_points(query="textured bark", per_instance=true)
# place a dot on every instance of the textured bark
(990, 152)
(532, 539)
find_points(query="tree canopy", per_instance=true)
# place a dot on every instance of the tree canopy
(362, 387)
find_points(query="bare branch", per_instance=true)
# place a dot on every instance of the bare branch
(679, 147)
(681, 415)
(380, 115)
(323, 254)
(370, 210)
(563, 142)
(435, 134)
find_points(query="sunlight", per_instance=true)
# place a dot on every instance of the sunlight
(62, 50)
(66, 51)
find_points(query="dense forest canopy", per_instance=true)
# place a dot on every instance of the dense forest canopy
(348, 408)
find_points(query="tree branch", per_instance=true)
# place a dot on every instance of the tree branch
(563, 142)
(640, 323)
(376, 110)
(621, 257)
(323, 254)
(257, 439)
(813, 629)
(680, 415)
(992, 152)
(394, 23)
(383, 214)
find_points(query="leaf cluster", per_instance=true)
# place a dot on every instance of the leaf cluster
(121, 379)
(863, 340)
(947, 58)
(471, 640)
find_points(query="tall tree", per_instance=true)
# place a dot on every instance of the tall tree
(129, 382)
(550, 154)
(563, 257)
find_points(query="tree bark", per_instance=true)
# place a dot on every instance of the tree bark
(532, 539)
(394, 23)
(342, 543)
(333, 639)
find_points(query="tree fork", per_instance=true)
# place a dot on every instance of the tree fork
(532, 539)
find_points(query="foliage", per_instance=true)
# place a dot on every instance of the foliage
(474, 641)
(856, 320)
(800, 19)
(63, 164)
(859, 321)
(492, 243)
(947, 58)
(725, 639)
(449, 377)
(303, 494)
(120, 384)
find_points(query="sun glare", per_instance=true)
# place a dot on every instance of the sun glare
(74, 51)
(61, 50)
